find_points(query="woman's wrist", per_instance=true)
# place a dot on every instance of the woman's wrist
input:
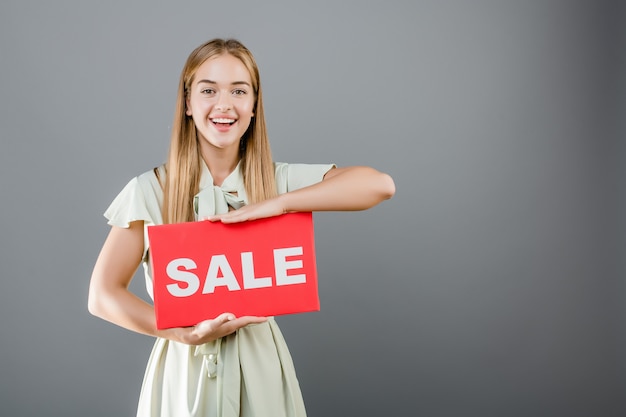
(283, 201)
(176, 334)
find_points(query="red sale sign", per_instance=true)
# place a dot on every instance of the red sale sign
(264, 267)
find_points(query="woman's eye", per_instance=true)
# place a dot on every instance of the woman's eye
(207, 91)
(239, 92)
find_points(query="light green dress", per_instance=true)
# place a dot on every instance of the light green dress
(248, 373)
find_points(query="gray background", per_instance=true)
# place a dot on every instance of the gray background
(491, 285)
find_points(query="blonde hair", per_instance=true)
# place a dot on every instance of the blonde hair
(183, 166)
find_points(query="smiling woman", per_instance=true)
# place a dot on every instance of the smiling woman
(219, 168)
(221, 103)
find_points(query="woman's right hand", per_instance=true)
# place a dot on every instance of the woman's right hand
(209, 330)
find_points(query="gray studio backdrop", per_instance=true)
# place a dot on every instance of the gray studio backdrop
(491, 285)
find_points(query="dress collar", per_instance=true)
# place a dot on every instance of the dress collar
(213, 199)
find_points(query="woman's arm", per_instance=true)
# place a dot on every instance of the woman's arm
(111, 300)
(343, 189)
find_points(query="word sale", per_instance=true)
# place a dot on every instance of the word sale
(220, 273)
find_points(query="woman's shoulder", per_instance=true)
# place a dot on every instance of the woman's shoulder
(152, 181)
(292, 176)
(140, 199)
(155, 176)
(300, 167)
(282, 167)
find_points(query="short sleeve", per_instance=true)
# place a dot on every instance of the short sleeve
(128, 206)
(290, 177)
(140, 199)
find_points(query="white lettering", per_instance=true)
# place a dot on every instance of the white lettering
(192, 281)
(282, 265)
(228, 279)
(247, 269)
(220, 273)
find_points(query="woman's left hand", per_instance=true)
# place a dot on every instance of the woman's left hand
(267, 208)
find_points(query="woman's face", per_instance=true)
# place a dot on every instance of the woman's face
(221, 102)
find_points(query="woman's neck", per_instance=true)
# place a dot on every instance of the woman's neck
(221, 163)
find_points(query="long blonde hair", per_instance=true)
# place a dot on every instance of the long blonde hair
(183, 166)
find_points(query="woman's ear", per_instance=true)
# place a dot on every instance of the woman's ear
(187, 107)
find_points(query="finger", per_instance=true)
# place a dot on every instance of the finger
(231, 220)
(229, 316)
(244, 321)
(230, 214)
(237, 218)
(253, 319)
(224, 318)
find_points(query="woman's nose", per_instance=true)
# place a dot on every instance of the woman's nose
(223, 103)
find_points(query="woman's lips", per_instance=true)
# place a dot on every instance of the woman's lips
(223, 124)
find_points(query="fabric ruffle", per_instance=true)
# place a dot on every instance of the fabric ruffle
(128, 206)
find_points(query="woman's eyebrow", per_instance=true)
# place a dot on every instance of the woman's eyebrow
(215, 82)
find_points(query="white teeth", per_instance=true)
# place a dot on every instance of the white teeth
(221, 120)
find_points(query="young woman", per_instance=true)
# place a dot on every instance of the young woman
(219, 168)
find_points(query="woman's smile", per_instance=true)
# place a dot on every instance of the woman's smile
(223, 124)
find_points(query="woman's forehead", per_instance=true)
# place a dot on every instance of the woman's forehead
(223, 69)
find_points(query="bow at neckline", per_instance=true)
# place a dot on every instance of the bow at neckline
(213, 199)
